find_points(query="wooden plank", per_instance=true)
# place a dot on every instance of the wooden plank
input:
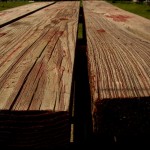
(119, 71)
(57, 38)
(36, 72)
(12, 14)
(123, 19)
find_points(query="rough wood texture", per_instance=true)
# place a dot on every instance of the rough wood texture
(123, 19)
(119, 71)
(17, 12)
(36, 68)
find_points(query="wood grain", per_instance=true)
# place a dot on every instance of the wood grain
(125, 20)
(36, 69)
(43, 55)
(9, 15)
(118, 63)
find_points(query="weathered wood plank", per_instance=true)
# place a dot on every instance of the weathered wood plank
(9, 15)
(36, 69)
(123, 19)
(119, 70)
(47, 57)
(120, 59)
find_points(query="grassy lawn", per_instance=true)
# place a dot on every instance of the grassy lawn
(7, 5)
(139, 9)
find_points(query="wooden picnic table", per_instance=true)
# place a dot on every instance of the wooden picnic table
(36, 71)
(12, 14)
(119, 73)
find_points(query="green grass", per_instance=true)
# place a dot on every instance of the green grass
(8, 5)
(139, 9)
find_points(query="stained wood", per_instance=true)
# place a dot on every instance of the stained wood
(36, 68)
(119, 68)
(9, 15)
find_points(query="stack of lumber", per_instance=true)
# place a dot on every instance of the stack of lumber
(119, 74)
(36, 70)
(12, 14)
